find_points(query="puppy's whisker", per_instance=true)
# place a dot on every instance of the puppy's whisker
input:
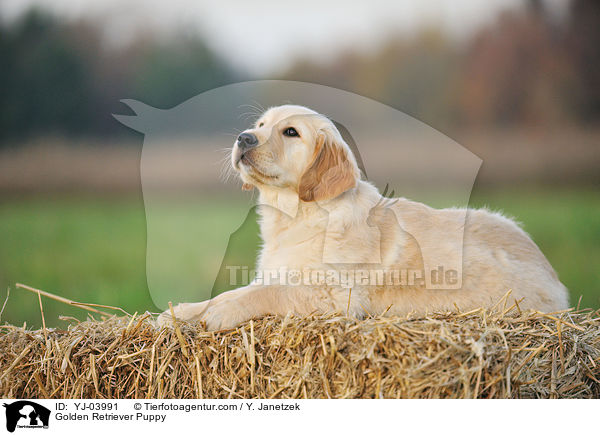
(226, 171)
(252, 115)
(236, 132)
(247, 116)
(256, 107)
(260, 107)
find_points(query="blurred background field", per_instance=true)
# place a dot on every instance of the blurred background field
(516, 82)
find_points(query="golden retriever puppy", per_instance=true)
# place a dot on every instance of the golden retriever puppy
(318, 218)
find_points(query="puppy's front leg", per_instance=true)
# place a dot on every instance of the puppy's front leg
(225, 310)
(232, 308)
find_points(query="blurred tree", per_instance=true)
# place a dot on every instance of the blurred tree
(583, 44)
(58, 78)
(516, 71)
(169, 74)
(415, 75)
(45, 84)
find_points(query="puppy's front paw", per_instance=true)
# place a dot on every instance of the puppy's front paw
(183, 312)
(225, 313)
(164, 319)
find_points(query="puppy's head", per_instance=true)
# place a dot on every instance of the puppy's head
(293, 147)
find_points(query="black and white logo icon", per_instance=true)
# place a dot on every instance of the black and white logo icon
(26, 414)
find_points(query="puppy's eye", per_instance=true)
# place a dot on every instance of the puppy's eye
(290, 132)
(261, 124)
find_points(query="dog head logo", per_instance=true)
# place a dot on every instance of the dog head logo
(396, 149)
(26, 414)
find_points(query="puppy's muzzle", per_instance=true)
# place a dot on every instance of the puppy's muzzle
(246, 141)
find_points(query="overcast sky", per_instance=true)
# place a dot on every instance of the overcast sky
(263, 36)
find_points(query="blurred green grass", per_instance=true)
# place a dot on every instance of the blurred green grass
(93, 249)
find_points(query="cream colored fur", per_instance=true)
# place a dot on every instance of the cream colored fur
(314, 201)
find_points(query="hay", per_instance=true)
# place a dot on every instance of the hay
(477, 354)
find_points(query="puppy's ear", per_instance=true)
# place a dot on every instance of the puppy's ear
(332, 172)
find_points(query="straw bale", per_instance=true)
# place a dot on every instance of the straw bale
(480, 354)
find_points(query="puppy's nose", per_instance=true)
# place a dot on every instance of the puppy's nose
(247, 140)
